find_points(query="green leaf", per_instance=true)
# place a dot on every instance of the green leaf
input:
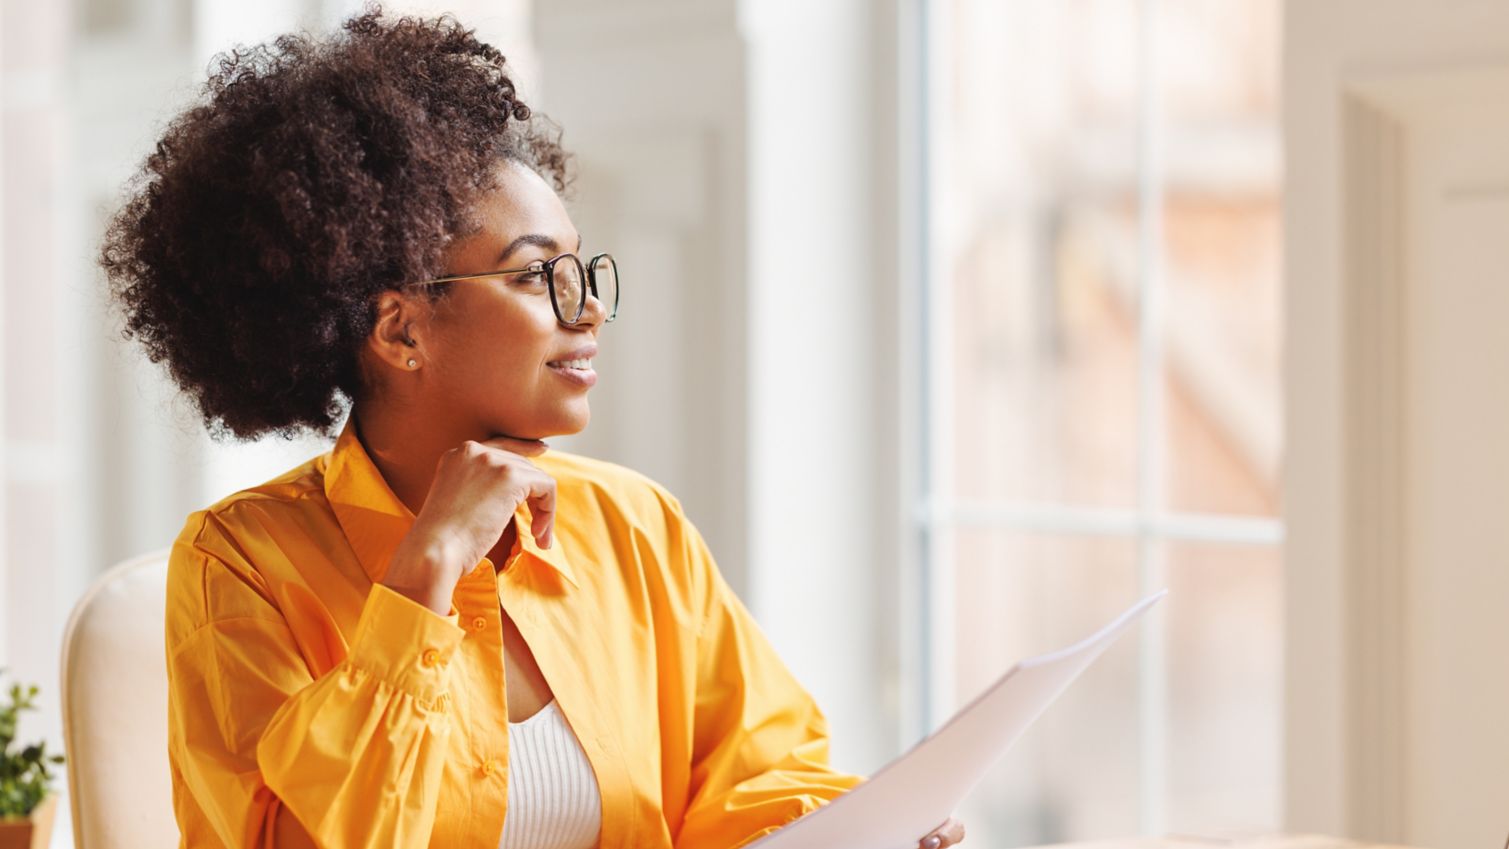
(24, 775)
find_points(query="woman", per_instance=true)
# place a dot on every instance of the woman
(441, 632)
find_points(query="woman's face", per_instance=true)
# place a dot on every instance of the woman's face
(492, 349)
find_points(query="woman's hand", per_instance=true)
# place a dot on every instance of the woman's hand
(948, 834)
(477, 488)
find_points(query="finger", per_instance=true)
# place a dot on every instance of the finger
(948, 834)
(542, 510)
(526, 447)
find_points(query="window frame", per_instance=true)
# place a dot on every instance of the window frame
(934, 514)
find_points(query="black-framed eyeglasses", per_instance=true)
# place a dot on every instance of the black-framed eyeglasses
(568, 282)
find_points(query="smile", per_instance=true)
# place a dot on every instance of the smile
(578, 372)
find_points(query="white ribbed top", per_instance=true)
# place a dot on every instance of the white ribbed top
(553, 799)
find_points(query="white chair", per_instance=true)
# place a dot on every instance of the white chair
(115, 710)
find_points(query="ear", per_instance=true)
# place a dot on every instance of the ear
(397, 337)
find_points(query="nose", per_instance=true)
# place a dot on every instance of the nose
(593, 312)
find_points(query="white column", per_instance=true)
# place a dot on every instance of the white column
(823, 353)
(4, 446)
(34, 569)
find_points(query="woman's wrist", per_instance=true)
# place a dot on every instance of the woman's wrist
(425, 570)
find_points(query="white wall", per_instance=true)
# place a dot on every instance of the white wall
(652, 100)
(1398, 154)
(739, 159)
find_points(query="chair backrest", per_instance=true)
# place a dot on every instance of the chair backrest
(115, 710)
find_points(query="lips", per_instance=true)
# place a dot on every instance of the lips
(579, 358)
(582, 377)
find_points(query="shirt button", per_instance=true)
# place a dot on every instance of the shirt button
(429, 658)
(479, 623)
(489, 767)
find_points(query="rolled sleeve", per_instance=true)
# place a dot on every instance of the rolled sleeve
(266, 754)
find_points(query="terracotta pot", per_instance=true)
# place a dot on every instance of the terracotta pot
(33, 832)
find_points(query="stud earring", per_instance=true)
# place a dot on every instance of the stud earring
(413, 362)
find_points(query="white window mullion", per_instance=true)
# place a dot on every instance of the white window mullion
(1151, 460)
(1064, 519)
(938, 569)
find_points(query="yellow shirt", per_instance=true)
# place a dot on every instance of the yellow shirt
(299, 685)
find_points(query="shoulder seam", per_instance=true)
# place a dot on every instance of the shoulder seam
(197, 548)
(252, 494)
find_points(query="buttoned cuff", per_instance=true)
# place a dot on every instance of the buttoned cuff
(405, 643)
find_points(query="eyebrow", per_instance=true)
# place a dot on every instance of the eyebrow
(535, 240)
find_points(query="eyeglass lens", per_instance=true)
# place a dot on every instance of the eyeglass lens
(605, 282)
(570, 288)
(566, 277)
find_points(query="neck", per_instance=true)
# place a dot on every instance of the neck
(406, 450)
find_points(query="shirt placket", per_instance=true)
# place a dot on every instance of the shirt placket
(475, 599)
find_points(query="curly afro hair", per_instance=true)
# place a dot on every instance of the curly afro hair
(312, 176)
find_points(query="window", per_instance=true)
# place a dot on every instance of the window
(1101, 344)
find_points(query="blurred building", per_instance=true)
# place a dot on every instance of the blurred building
(1107, 405)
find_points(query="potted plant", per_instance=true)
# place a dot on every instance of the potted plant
(26, 803)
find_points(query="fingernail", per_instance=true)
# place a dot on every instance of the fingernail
(932, 842)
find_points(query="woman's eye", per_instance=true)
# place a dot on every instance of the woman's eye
(533, 276)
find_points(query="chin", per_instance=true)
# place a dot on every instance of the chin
(552, 420)
(578, 420)
(566, 426)
(568, 431)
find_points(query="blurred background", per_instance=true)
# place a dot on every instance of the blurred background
(957, 326)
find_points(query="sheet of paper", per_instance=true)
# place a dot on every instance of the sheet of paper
(918, 791)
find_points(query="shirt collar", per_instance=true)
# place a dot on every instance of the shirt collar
(375, 521)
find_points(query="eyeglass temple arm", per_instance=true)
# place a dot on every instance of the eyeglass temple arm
(590, 267)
